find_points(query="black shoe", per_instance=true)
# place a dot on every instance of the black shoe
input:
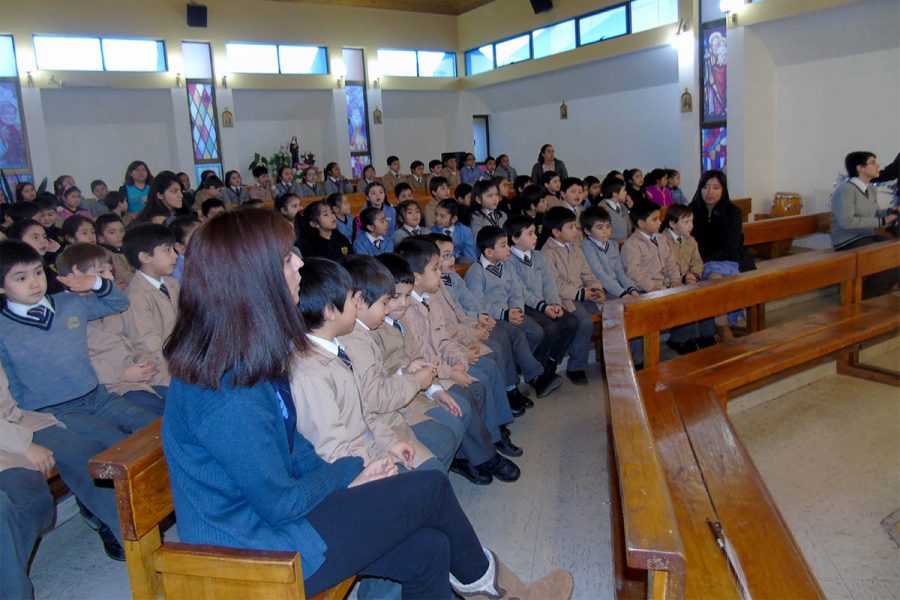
(577, 377)
(525, 400)
(515, 404)
(505, 446)
(706, 341)
(683, 347)
(546, 384)
(501, 468)
(89, 518)
(111, 544)
(461, 466)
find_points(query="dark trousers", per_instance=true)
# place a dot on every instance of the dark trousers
(522, 352)
(558, 334)
(408, 528)
(26, 509)
(477, 444)
(500, 345)
(879, 283)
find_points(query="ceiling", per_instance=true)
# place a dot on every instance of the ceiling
(438, 7)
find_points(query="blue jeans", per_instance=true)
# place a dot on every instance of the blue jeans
(408, 528)
(26, 509)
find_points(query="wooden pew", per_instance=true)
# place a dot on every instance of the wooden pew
(767, 230)
(139, 472)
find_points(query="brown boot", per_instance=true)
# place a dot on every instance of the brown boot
(556, 585)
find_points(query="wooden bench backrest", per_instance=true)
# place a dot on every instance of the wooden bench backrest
(784, 228)
(652, 541)
(746, 206)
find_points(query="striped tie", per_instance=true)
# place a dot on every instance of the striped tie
(344, 358)
(398, 326)
(495, 269)
(446, 279)
(37, 312)
(165, 291)
(378, 244)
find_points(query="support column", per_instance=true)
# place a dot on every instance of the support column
(36, 129)
(689, 79)
(181, 146)
(376, 133)
(228, 142)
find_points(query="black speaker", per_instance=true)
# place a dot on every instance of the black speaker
(196, 15)
(540, 6)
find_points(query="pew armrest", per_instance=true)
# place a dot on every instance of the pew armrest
(215, 562)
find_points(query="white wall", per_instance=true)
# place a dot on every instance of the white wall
(415, 126)
(623, 113)
(95, 133)
(264, 120)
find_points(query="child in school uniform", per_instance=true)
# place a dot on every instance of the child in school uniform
(310, 187)
(416, 179)
(234, 194)
(95, 205)
(572, 191)
(322, 383)
(153, 292)
(110, 232)
(123, 371)
(368, 177)
(262, 188)
(288, 206)
(385, 394)
(335, 183)
(446, 222)
(182, 229)
(580, 292)
(390, 179)
(439, 189)
(210, 189)
(498, 293)
(341, 208)
(551, 183)
(376, 197)
(435, 169)
(71, 204)
(615, 196)
(422, 257)
(211, 207)
(31, 232)
(542, 301)
(602, 254)
(319, 235)
(286, 184)
(372, 239)
(485, 199)
(409, 220)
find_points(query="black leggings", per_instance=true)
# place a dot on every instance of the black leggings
(409, 528)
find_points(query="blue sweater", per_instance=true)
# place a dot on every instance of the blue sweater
(48, 365)
(495, 295)
(608, 268)
(538, 280)
(234, 480)
(461, 294)
(363, 245)
(463, 241)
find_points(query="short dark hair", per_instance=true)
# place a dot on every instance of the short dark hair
(593, 215)
(369, 276)
(521, 181)
(17, 230)
(516, 224)
(81, 256)
(418, 251)
(374, 184)
(325, 283)
(105, 220)
(392, 159)
(180, 227)
(439, 237)
(335, 200)
(589, 181)
(610, 186)
(113, 199)
(47, 201)
(462, 190)
(401, 208)
(548, 176)
(281, 201)
(642, 210)
(398, 268)
(20, 211)
(212, 181)
(433, 163)
(71, 225)
(259, 171)
(146, 237)
(210, 204)
(488, 237)
(435, 183)
(97, 182)
(401, 187)
(856, 159)
(451, 206)
(233, 289)
(489, 158)
(569, 182)
(329, 167)
(530, 196)
(367, 217)
(14, 253)
(557, 217)
(416, 164)
(675, 213)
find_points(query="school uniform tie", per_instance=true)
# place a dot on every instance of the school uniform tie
(397, 326)
(655, 242)
(679, 239)
(344, 358)
(526, 258)
(165, 291)
(446, 279)
(448, 233)
(496, 270)
(37, 312)
(490, 217)
(378, 244)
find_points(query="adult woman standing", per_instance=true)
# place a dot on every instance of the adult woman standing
(718, 225)
(242, 475)
(547, 161)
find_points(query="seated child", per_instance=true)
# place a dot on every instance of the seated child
(110, 232)
(649, 263)
(122, 370)
(288, 205)
(446, 222)
(478, 459)
(542, 301)
(31, 232)
(152, 292)
(440, 191)
(615, 200)
(234, 194)
(341, 208)
(79, 228)
(390, 179)
(262, 187)
(117, 204)
(310, 188)
(409, 219)
(435, 169)
(463, 196)
(579, 290)
(211, 188)
(551, 182)
(416, 179)
(485, 198)
(284, 182)
(498, 293)
(46, 214)
(182, 229)
(322, 383)
(71, 204)
(95, 205)
(593, 191)
(603, 255)
(186, 191)
(678, 196)
(335, 182)
(372, 239)
(377, 198)
(385, 395)
(403, 191)
(368, 177)
(211, 207)
(319, 236)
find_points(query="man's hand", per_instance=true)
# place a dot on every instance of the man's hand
(41, 458)
(516, 316)
(375, 470)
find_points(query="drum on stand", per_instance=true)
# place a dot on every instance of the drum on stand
(786, 204)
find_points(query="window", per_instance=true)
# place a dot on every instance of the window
(276, 58)
(647, 14)
(512, 51)
(603, 25)
(554, 39)
(417, 63)
(67, 53)
(480, 60)
(7, 57)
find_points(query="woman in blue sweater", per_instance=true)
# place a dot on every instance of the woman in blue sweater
(241, 474)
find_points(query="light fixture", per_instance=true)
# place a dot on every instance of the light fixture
(225, 81)
(55, 81)
(29, 80)
(680, 39)
(339, 70)
(730, 8)
(178, 82)
(375, 74)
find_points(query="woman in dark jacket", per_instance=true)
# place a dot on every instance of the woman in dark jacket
(547, 161)
(718, 226)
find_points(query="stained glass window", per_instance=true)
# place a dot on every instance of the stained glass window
(13, 151)
(715, 65)
(199, 169)
(713, 148)
(358, 163)
(203, 121)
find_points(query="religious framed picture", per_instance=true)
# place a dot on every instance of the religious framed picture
(13, 148)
